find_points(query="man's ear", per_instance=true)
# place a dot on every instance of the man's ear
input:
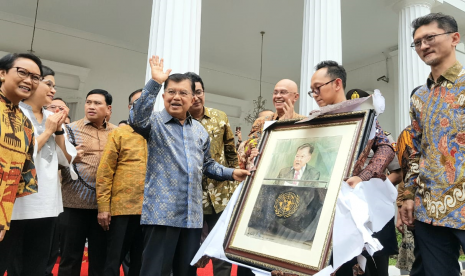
(455, 39)
(297, 95)
(339, 85)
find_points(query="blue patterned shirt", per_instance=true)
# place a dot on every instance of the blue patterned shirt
(437, 163)
(177, 156)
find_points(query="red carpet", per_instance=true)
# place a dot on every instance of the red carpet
(207, 271)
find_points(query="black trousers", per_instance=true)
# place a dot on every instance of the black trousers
(439, 248)
(55, 247)
(124, 236)
(26, 246)
(165, 246)
(220, 268)
(77, 225)
(417, 266)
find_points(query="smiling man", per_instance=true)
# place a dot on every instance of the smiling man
(178, 155)
(328, 85)
(79, 219)
(433, 196)
(285, 95)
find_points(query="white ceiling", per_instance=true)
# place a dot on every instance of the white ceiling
(230, 36)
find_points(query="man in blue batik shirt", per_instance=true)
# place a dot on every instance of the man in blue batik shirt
(178, 154)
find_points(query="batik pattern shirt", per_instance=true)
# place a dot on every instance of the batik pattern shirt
(383, 155)
(216, 194)
(244, 151)
(17, 171)
(80, 193)
(437, 165)
(121, 173)
(404, 150)
(178, 154)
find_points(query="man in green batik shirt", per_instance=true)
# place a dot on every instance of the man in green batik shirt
(216, 194)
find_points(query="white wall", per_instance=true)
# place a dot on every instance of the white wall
(364, 75)
(112, 67)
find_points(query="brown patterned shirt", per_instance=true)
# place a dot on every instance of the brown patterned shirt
(80, 193)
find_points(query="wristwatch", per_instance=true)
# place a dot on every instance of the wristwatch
(60, 132)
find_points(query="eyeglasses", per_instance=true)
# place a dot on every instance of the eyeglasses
(316, 91)
(182, 94)
(427, 40)
(199, 93)
(24, 74)
(282, 92)
(49, 83)
(53, 107)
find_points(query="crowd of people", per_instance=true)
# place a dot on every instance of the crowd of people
(146, 193)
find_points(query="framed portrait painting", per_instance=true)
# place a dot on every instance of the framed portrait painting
(284, 216)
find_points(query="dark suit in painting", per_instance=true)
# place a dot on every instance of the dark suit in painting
(310, 173)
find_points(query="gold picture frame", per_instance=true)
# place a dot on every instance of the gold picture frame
(284, 215)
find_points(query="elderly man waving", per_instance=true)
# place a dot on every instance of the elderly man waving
(178, 154)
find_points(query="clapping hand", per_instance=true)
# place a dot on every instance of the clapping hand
(156, 65)
(54, 121)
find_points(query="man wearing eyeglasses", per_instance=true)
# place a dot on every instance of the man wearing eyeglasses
(216, 194)
(328, 85)
(434, 201)
(178, 155)
(285, 95)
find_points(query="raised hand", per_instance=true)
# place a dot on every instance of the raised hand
(288, 110)
(156, 66)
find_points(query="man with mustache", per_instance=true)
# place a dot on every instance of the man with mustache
(285, 95)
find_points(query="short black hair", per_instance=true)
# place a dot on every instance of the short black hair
(360, 93)
(415, 90)
(6, 62)
(123, 122)
(47, 71)
(306, 145)
(108, 97)
(134, 93)
(334, 70)
(177, 78)
(195, 78)
(60, 99)
(445, 22)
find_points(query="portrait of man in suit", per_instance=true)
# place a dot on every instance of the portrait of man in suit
(300, 170)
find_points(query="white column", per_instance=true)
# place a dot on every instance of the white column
(412, 70)
(175, 36)
(321, 40)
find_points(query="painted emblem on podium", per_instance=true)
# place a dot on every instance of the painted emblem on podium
(286, 204)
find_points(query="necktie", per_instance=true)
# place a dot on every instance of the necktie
(296, 177)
